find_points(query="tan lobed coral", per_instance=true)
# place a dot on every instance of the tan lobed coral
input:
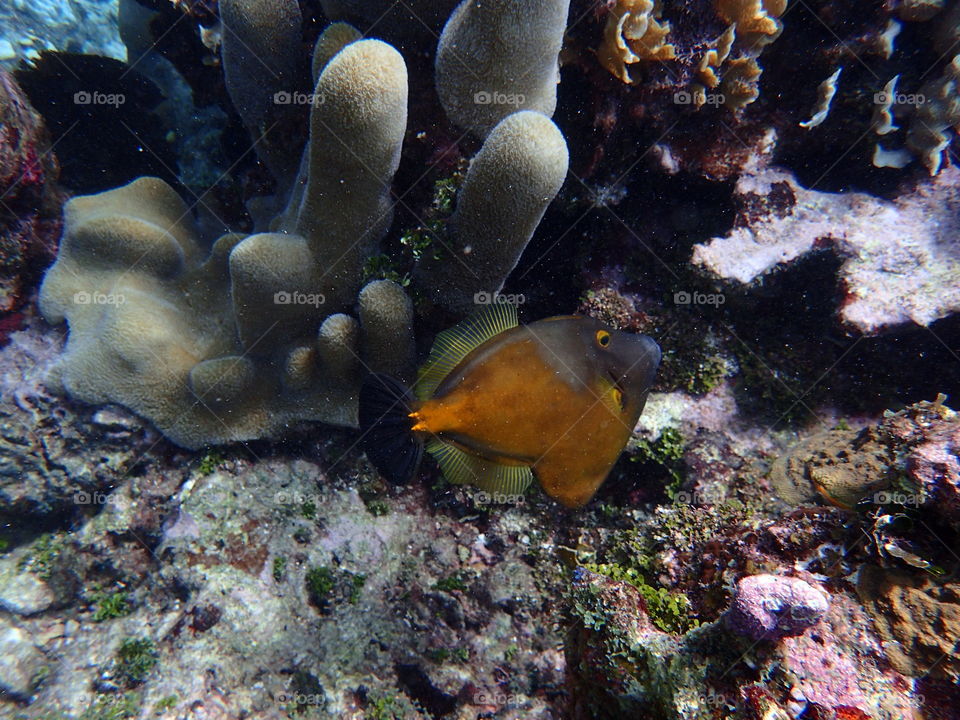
(239, 341)
(239, 338)
(634, 32)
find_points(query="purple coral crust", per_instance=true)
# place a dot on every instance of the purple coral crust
(770, 607)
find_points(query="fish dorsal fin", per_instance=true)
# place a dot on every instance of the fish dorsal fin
(453, 345)
(462, 468)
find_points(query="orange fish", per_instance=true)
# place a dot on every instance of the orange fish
(498, 403)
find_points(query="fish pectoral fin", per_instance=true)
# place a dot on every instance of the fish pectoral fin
(566, 486)
(463, 468)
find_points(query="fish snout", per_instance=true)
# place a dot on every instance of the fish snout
(643, 361)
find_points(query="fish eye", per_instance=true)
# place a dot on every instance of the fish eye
(603, 338)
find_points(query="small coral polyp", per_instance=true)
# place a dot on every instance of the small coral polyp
(236, 339)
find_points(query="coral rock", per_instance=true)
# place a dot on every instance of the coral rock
(918, 618)
(770, 607)
(901, 259)
(30, 211)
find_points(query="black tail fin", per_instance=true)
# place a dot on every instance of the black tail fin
(385, 428)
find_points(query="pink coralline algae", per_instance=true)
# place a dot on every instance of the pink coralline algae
(935, 468)
(770, 607)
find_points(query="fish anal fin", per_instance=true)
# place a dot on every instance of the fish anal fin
(464, 468)
(453, 345)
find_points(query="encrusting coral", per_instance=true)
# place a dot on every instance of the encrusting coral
(496, 58)
(242, 337)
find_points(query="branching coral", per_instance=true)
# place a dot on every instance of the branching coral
(740, 85)
(709, 66)
(825, 92)
(929, 132)
(634, 32)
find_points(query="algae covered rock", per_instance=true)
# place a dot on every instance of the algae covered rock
(839, 467)
(622, 666)
(917, 617)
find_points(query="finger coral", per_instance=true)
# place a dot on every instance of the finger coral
(495, 58)
(238, 338)
(509, 184)
(261, 41)
(237, 341)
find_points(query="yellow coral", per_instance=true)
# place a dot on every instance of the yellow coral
(634, 32)
(740, 85)
(714, 57)
(756, 20)
(929, 133)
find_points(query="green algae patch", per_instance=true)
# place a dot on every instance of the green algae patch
(668, 611)
(327, 587)
(111, 605)
(136, 658)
